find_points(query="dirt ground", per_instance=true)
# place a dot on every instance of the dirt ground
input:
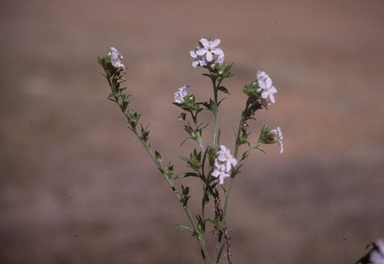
(77, 187)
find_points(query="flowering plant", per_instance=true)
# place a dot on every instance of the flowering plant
(213, 164)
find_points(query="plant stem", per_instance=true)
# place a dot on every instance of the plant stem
(242, 120)
(185, 207)
(215, 110)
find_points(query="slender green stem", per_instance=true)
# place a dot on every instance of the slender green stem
(242, 120)
(185, 207)
(170, 183)
(198, 140)
(215, 110)
(214, 125)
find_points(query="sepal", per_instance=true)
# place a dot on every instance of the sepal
(185, 195)
(159, 159)
(266, 136)
(169, 170)
(132, 117)
(145, 133)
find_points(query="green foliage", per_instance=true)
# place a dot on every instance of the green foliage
(194, 160)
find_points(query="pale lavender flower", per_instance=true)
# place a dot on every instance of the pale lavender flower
(209, 49)
(116, 58)
(266, 87)
(279, 137)
(179, 95)
(220, 171)
(225, 157)
(198, 60)
(223, 164)
(377, 256)
(220, 59)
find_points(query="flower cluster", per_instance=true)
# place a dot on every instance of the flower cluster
(377, 256)
(223, 164)
(116, 58)
(279, 137)
(203, 54)
(266, 87)
(179, 95)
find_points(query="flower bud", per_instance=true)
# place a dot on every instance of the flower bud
(266, 136)
(169, 170)
(132, 117)
(185, 195)
(251, 89)
(145, 133)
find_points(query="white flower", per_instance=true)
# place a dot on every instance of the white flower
(220, 171)
(179, 95)
(224, 156)
(377, 256)
(209, 48)
(223, 164)
(198, 60)
(279, 137)
(220, 59)
(116, 58)
(266, 87)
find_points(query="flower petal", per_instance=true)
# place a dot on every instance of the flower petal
(272, 98)
(209, 56)
(204, 42)
(201, 51)
(217, 51)
(215, 43)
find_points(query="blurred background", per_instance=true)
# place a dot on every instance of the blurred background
(76, 186)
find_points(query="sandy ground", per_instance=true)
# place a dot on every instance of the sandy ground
(76, 186)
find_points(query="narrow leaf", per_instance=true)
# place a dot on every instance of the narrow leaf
(223, 89)
(221, 251)
(215, 223)
(187, 174)
(181, 227)
(221, 101)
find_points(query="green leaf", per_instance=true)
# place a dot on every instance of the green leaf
(198, 127)
(261, 150)
(215, 223)
(218, 137)
(184, 141)
(182, 227)
(185, 159)
(186, 174)
(223, 89)
(221, 251)
(221, 101)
